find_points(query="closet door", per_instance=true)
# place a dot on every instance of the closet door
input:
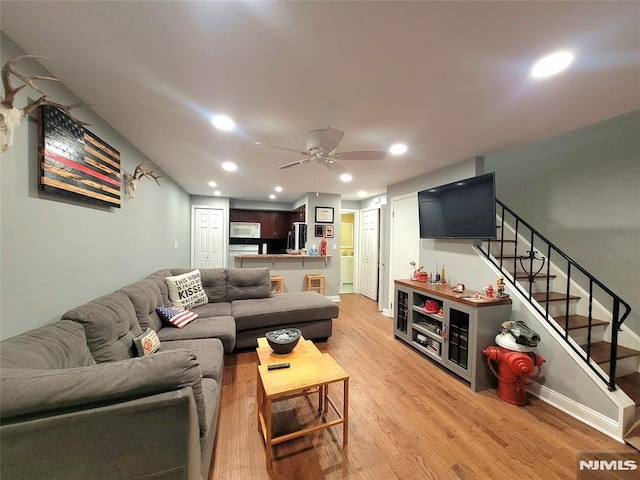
(208, 235)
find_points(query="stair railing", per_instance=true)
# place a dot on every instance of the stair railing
(561, 259)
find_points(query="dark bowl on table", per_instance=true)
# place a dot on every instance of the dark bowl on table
(284, 340)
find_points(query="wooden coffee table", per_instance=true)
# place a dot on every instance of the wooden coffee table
(311, 371)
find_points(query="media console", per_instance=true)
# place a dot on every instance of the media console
(455, 339)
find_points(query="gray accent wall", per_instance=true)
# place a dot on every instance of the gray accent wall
(581, 190)
(57, 254)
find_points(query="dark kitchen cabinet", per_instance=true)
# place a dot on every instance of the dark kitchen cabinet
(274, 225)
(238, 215)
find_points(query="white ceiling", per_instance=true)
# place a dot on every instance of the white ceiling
(450, 79)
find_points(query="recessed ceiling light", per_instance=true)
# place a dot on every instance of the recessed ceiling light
(278, 189)
(362, 194)
(272, 196)
(551, 64)
(229, 166)
(213, 184)
(217, 193)
(222, 122)
(345, 177)
(398, 149)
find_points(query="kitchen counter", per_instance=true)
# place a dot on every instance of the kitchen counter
(278, 257)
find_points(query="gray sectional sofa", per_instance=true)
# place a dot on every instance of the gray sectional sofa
(76, 401)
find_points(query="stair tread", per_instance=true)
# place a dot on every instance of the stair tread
(600, 352)
(630, 384)
(553, 296)
(577, 321)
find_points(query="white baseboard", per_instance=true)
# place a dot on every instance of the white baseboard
(334, 298)
(387, 313)
(578, 411)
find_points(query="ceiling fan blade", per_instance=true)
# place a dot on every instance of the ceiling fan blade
(293, 164)
(335, 166)
(282, 148)
(330, 139)
(361, 155)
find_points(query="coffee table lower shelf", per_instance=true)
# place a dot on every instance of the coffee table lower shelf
(310, 373)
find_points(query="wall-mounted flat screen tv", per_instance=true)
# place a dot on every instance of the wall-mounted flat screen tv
(462, 209)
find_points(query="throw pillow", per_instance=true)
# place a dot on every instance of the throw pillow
(185, 291)
(177, 317)
(147, 343)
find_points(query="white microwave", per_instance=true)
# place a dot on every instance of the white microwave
(244, 230)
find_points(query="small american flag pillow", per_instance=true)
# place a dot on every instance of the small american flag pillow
(176, 316)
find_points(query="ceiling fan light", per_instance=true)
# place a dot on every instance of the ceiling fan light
(398, 149)
(346, 177)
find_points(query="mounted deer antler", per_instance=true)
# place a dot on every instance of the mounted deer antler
(131, 179)
(11, 116)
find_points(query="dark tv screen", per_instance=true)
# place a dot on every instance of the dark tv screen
(462, 209)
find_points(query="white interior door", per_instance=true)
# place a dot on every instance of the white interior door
(369, 247)
(405, 240)
(208, 238)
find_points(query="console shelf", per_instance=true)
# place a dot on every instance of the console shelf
(455, 339)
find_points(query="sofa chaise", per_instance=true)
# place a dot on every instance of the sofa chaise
(80, 399)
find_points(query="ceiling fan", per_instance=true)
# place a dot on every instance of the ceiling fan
(321, 147)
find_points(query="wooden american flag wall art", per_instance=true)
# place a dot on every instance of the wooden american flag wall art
(75, 163)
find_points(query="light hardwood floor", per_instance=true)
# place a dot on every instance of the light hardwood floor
(408, 419)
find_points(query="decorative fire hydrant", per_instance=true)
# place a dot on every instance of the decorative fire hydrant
(516, 361)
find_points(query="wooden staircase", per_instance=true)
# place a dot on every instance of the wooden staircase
(563, 293)
(575, 325)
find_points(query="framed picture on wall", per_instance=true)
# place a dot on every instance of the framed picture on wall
(319, 230)
(328, 231)
(324, 214)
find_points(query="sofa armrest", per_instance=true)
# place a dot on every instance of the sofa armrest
(152, 437)
(26, 391)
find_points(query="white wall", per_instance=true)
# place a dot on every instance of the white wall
(56, 255)
(464, 169)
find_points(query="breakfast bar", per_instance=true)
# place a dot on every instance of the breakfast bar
(292, 268)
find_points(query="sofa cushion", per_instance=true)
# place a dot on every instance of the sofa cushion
(26, 390)
(110, 325)
(223, 328)
(147, 343)
(245, 283)
(146, 297)
(221, 309)
(208, 351)
(281, 310)
(176, 317)
(214, 283)
(185, 291)
(159, 277)
(59, 345)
